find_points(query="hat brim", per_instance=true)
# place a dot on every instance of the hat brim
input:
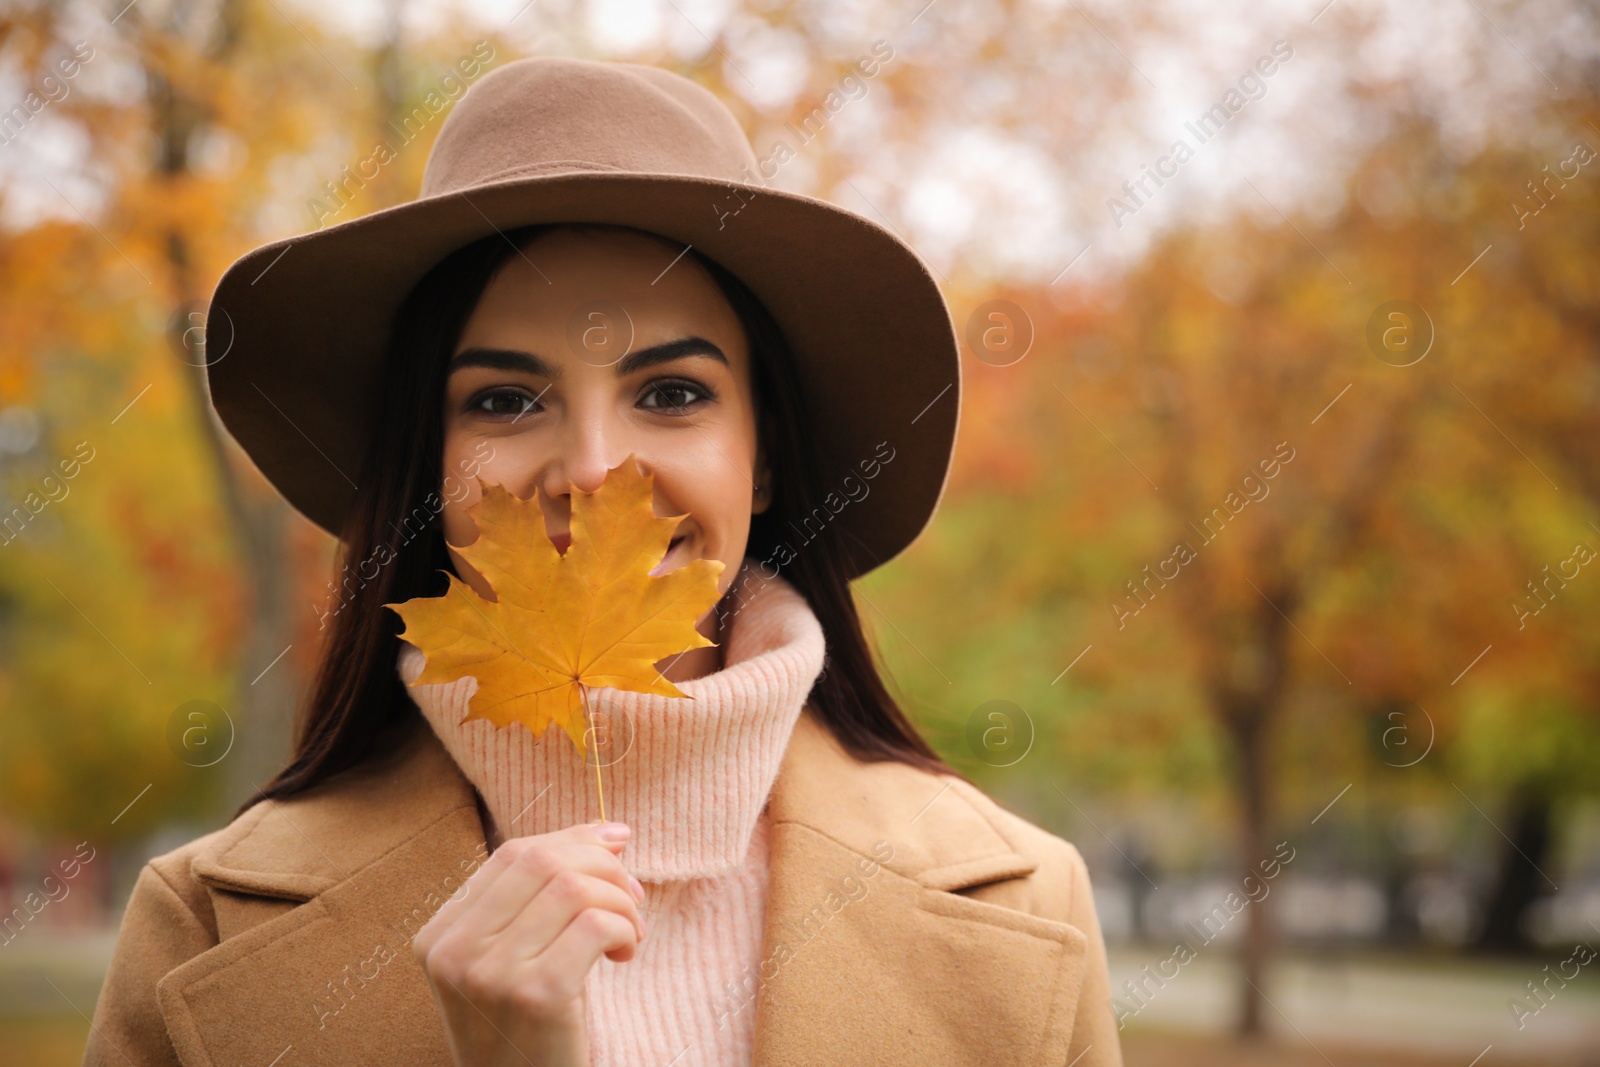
(301, 325)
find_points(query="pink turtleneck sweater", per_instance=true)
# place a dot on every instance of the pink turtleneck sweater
(692, 778)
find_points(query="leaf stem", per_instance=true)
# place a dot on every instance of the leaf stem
(589, 731)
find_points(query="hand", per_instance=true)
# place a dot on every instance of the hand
(508, 955)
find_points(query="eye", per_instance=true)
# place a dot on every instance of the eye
(502, 403)
(676, 396)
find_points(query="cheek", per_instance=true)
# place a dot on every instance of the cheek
(458, 491)
(719, 498)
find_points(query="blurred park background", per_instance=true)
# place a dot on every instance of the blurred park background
(1270, 544)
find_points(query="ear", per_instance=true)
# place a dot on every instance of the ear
(763, 494)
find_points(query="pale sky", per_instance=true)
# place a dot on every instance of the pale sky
(971, 193)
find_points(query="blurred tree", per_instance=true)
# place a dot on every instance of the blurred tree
(1280, 522)
(189, 171)
(1537, 379)
(186, 53)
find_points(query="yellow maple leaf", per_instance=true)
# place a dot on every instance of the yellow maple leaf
(559, 623)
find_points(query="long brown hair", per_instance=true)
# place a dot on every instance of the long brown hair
(358, 705)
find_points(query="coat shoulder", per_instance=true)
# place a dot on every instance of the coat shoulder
(263, 863)
(175, 870)
(298, 847)
(967, 842)
(173, 915)
(1059, 888)
(169, 919)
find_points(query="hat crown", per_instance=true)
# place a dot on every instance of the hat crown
(556, 115)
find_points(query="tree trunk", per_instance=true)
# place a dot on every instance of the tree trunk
(1519, 882)
(1247, 689)
(1254, 789)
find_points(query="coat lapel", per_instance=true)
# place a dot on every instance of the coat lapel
(333, 980)
(890, 963)
(876, 948)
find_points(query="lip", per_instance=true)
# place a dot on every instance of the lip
(670, 557)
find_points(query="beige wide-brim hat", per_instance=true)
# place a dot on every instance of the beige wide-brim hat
(296, 331)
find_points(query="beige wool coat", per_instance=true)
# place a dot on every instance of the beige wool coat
(911, 920)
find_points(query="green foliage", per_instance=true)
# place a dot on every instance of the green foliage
(120, 604)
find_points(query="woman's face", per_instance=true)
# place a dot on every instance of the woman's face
(545, 382)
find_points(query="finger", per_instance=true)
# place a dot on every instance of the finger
(574, 951)
(499, 889)
(475, 886)
(530, 872)
(563, 898)
(529, 869)
(503, 859)
(458, 903)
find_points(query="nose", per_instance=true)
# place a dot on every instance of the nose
(590, 450)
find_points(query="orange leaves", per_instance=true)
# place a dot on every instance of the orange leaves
(592, 617)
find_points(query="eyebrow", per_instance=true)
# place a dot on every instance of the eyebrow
(526, 362)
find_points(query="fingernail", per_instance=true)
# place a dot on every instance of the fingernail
(614, 831)
(638, 890)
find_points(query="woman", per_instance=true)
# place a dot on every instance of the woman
(795, 877)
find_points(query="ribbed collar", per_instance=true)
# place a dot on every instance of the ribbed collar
(692, 776)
